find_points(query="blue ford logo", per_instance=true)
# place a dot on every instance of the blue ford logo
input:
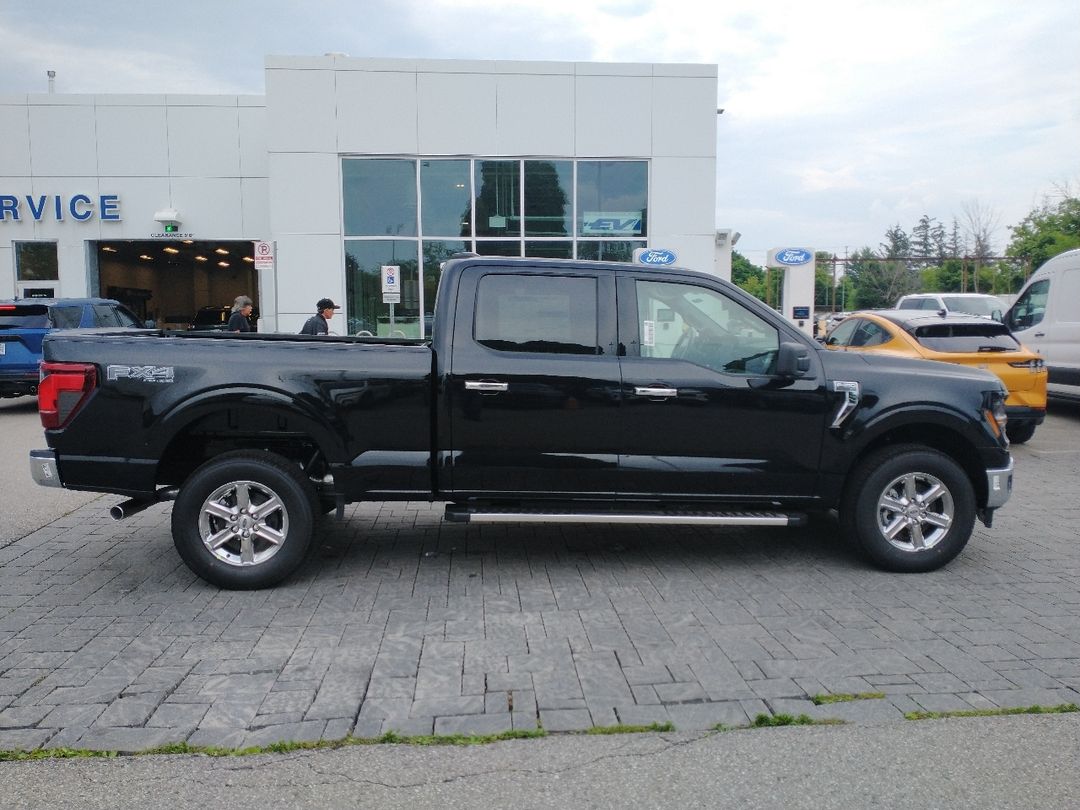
(794, 256)
(657, 256)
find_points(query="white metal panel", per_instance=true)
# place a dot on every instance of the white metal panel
(376, 112)
(255, 207)
(683, 197)
(309, 267)
(62, 141)
(301, 111)
(209, 206)
(132, 141)
(535, 115)
(613, 116)
(67, 228)
(15, 136)
(684, 117)
(140, 197)
(252, 121)
(204, 141)
(456, 114)
(305, 194)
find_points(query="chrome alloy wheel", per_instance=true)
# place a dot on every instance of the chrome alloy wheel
(243, 523)
(915, 512)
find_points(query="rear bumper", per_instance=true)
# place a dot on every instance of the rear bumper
(1021, 413)
(14, 384)
(43, 468)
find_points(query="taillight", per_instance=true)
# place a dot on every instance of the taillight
(63, 389)
(1035, 364)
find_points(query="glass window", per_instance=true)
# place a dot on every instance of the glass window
(555, 314)
(608, 251)
(66, 317)
(550, 250)
(364, 260)
(1030, 308)
(24, 316)
(684, 322)
(445, 198)
(36, 261)
(869, 334)
(498, 192)
(967, 337)
(548, 197)
(435, 253)
(498, 248)
(612, 198)
(380, 197)
(841, 335)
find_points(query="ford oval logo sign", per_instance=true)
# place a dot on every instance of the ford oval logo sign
(655, 256)
(793, 256)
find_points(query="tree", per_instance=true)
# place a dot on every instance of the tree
(748, 276)
(876, 282)
(1049, 229)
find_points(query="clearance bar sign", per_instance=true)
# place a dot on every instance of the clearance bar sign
(264, 256)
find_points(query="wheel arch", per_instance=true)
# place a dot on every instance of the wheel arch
(243, 419)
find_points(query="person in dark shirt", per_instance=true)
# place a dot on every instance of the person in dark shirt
(318, 324)
(241, 309)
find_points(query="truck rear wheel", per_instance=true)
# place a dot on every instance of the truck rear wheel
(244, 519)
(909, 508)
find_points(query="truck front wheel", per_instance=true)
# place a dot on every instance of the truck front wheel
(244, 519)
(909, 508)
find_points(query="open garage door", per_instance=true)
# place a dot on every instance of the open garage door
(170, 281)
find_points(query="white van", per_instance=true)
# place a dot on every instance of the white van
(1046, 319)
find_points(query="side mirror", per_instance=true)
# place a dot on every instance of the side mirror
(793, 360)
(150, 323)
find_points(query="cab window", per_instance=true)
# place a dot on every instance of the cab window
(841, 335)
(553, 314)
(702, 326)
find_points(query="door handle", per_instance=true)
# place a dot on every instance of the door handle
(1040, 334)
(486, 386)
(655, 391)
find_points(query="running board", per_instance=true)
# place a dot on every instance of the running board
(475, 514)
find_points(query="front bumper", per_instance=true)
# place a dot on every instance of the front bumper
(999, 486)
(43, 468)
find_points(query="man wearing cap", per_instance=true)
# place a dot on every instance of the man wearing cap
(317, 323)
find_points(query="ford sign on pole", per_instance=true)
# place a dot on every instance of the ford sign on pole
(793, 256)
(656, 257)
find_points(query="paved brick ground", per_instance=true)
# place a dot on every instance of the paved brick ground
(402, 622)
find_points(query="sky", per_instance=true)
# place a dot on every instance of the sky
(841, 119)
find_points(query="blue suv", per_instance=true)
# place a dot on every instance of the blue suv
(24, 322)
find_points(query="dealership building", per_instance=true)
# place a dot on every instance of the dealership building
(173, 203)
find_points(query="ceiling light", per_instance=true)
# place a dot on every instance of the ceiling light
(108, 249)
(188, 241)
(222, 251)
(249, 259)
(147, 258)
(200, 258)
(222, 264)
(171, 250)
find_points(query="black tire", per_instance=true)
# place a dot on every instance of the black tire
(257, 547)
(931, 528)
(1019, 432)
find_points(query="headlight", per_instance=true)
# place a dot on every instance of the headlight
(994, 412)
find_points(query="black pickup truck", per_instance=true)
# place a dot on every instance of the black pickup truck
(549, 391)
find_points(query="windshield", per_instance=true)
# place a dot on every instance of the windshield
(974, 306)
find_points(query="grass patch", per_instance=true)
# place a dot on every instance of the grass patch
(770, 720)
(625, 729)
(1064, 708)
(389, 738)
(824, 700)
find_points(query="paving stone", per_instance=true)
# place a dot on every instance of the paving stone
(554, 720)
(125, 740)
(306, 731)
(24, 739)
(474, 724)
